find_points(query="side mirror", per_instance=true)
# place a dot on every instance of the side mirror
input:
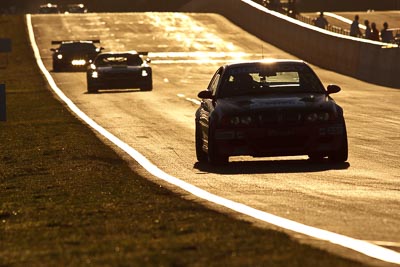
(205, 94)
(148, 60)
(332, 88)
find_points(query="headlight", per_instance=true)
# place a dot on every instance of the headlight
(78, 62)
(237, 121)
(95, 74)
(145, 73)
(323, 116)
(59, 56)
(245, 120)
(234, 121)
(312, 117)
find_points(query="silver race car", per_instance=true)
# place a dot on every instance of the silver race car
(120, 70)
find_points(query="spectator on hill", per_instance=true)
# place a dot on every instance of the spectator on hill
(368, 30)
(291, 8)
(374, 32)
(354, 28)
(387, 36)
(321, 21)
(273, 4)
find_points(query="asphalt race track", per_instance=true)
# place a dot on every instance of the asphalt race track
(359, 199)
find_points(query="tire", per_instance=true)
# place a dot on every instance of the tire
(56, 67)
(92, 91)
(200, 154)
(214, 157)
(341, 155)
(147, 87)
(90, 88)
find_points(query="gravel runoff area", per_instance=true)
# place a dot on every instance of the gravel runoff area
(66, 198)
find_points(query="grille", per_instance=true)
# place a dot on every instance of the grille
(281, 118)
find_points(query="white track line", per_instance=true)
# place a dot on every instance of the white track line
(193, 100)
(360, 246)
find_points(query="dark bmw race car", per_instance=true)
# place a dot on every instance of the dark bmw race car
(120, 70)
(74, 55)
(269, 108)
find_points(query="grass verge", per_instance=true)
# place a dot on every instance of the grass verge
(68, 199)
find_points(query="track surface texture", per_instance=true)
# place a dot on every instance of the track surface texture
(359, 199)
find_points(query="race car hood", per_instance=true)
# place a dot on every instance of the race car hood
(77, 55)
(246, 104)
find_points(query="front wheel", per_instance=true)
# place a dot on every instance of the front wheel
(341, 154)
(148, 86)
(200, 154)
(214, 157)
(90, 88)
(56, 67)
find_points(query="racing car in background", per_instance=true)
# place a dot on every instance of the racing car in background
(76, 8)
(74, 55)
(269, 108)
(120, 70)
(49, 8)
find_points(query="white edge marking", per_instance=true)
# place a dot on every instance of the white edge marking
(360, 246)
(343, 19)
(193, 100)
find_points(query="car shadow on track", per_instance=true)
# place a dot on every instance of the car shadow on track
(272, 166)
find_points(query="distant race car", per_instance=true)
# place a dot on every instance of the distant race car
(74, 55)
(269, 108)
(76, 8)
(49, 9)
(120, 70)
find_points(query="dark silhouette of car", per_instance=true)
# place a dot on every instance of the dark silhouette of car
(49, 8)
(120, 70)
(76, 8)
(74, 55)
(269, 108)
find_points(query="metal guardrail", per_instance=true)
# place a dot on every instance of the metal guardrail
(331, 28)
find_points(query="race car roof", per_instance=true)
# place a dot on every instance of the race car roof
(75, 41)
(121, 53)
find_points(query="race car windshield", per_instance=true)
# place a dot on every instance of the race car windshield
(73, 47)
(48, 9)
(131, 60)
(279, 79)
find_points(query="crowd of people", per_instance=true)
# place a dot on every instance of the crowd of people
(371, 31)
